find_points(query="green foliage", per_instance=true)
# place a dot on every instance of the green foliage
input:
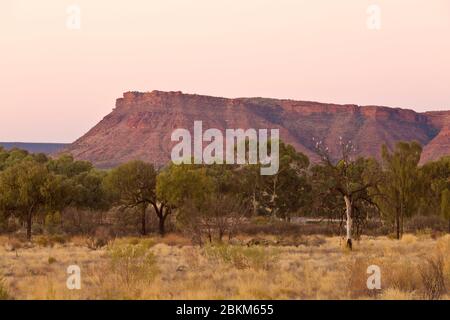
(66, 165)
(79, 184)
(445, 206)
(280, 195)
(218, 215)
(54, 195)
(178, 183)
(49, 240)
(53, 222)
(132, 185)
(26, 188)
(401, 185)
(343, 189)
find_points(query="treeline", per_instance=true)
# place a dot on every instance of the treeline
(210, 202)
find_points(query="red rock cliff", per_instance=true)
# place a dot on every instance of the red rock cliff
(141, 124)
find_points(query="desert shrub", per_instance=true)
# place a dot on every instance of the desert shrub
(242, 257)
(100, 238)
(4, 292)
(134, 241)
(50, 240)
(175, 239)
(51, 260)
(53, 222)
(125, 221)
(42, 241)
(37, 229)
(217, 217)
(133, 263)
(77, 221)
(396, 294)
(408, 239)
(433, 278)
(356, 273)
(401, 275)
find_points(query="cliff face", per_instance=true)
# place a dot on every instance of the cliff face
(141, 125)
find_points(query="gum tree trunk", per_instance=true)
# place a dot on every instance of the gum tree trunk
(144, 229)
(162, 229)
(349, 208)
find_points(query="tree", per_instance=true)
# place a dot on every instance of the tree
(66, 165)
(350, 179)
(178, 183)
(400, 190)
(279, 195)
(434, 179)
(288, 190)
(445, 206)
(219, 215)
(133, 186)
(25, 188)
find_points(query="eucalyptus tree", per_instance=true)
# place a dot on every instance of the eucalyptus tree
(133, 185)
(400, 190)
(349, 179)
(26, 189)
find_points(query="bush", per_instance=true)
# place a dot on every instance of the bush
(53, 223)
(219, 216)
(4, 293)
(133, 263)
(51, 260)
(242, 257)
(102, 236)
(433, 278)
(50, 240)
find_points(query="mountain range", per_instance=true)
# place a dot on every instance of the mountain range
(140, 126)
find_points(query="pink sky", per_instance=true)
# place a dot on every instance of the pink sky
(57, 83)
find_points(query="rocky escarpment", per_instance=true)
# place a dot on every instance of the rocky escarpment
(140, 126)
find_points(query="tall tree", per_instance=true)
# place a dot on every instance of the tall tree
(289, 190)
(25, 190)
(401, 183)
(133, 186)
(178, 184)
(445, 206)
(351, 179)
(435, 179)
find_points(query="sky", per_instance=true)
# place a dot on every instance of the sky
(63, 63)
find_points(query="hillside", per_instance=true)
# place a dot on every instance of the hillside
(140, 125)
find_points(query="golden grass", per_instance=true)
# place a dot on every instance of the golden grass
(171, 268)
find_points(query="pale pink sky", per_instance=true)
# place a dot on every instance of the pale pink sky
(56, 83)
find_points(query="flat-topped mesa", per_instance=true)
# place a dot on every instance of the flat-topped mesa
(140, 126)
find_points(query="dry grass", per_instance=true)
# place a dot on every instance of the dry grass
(171, 268)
